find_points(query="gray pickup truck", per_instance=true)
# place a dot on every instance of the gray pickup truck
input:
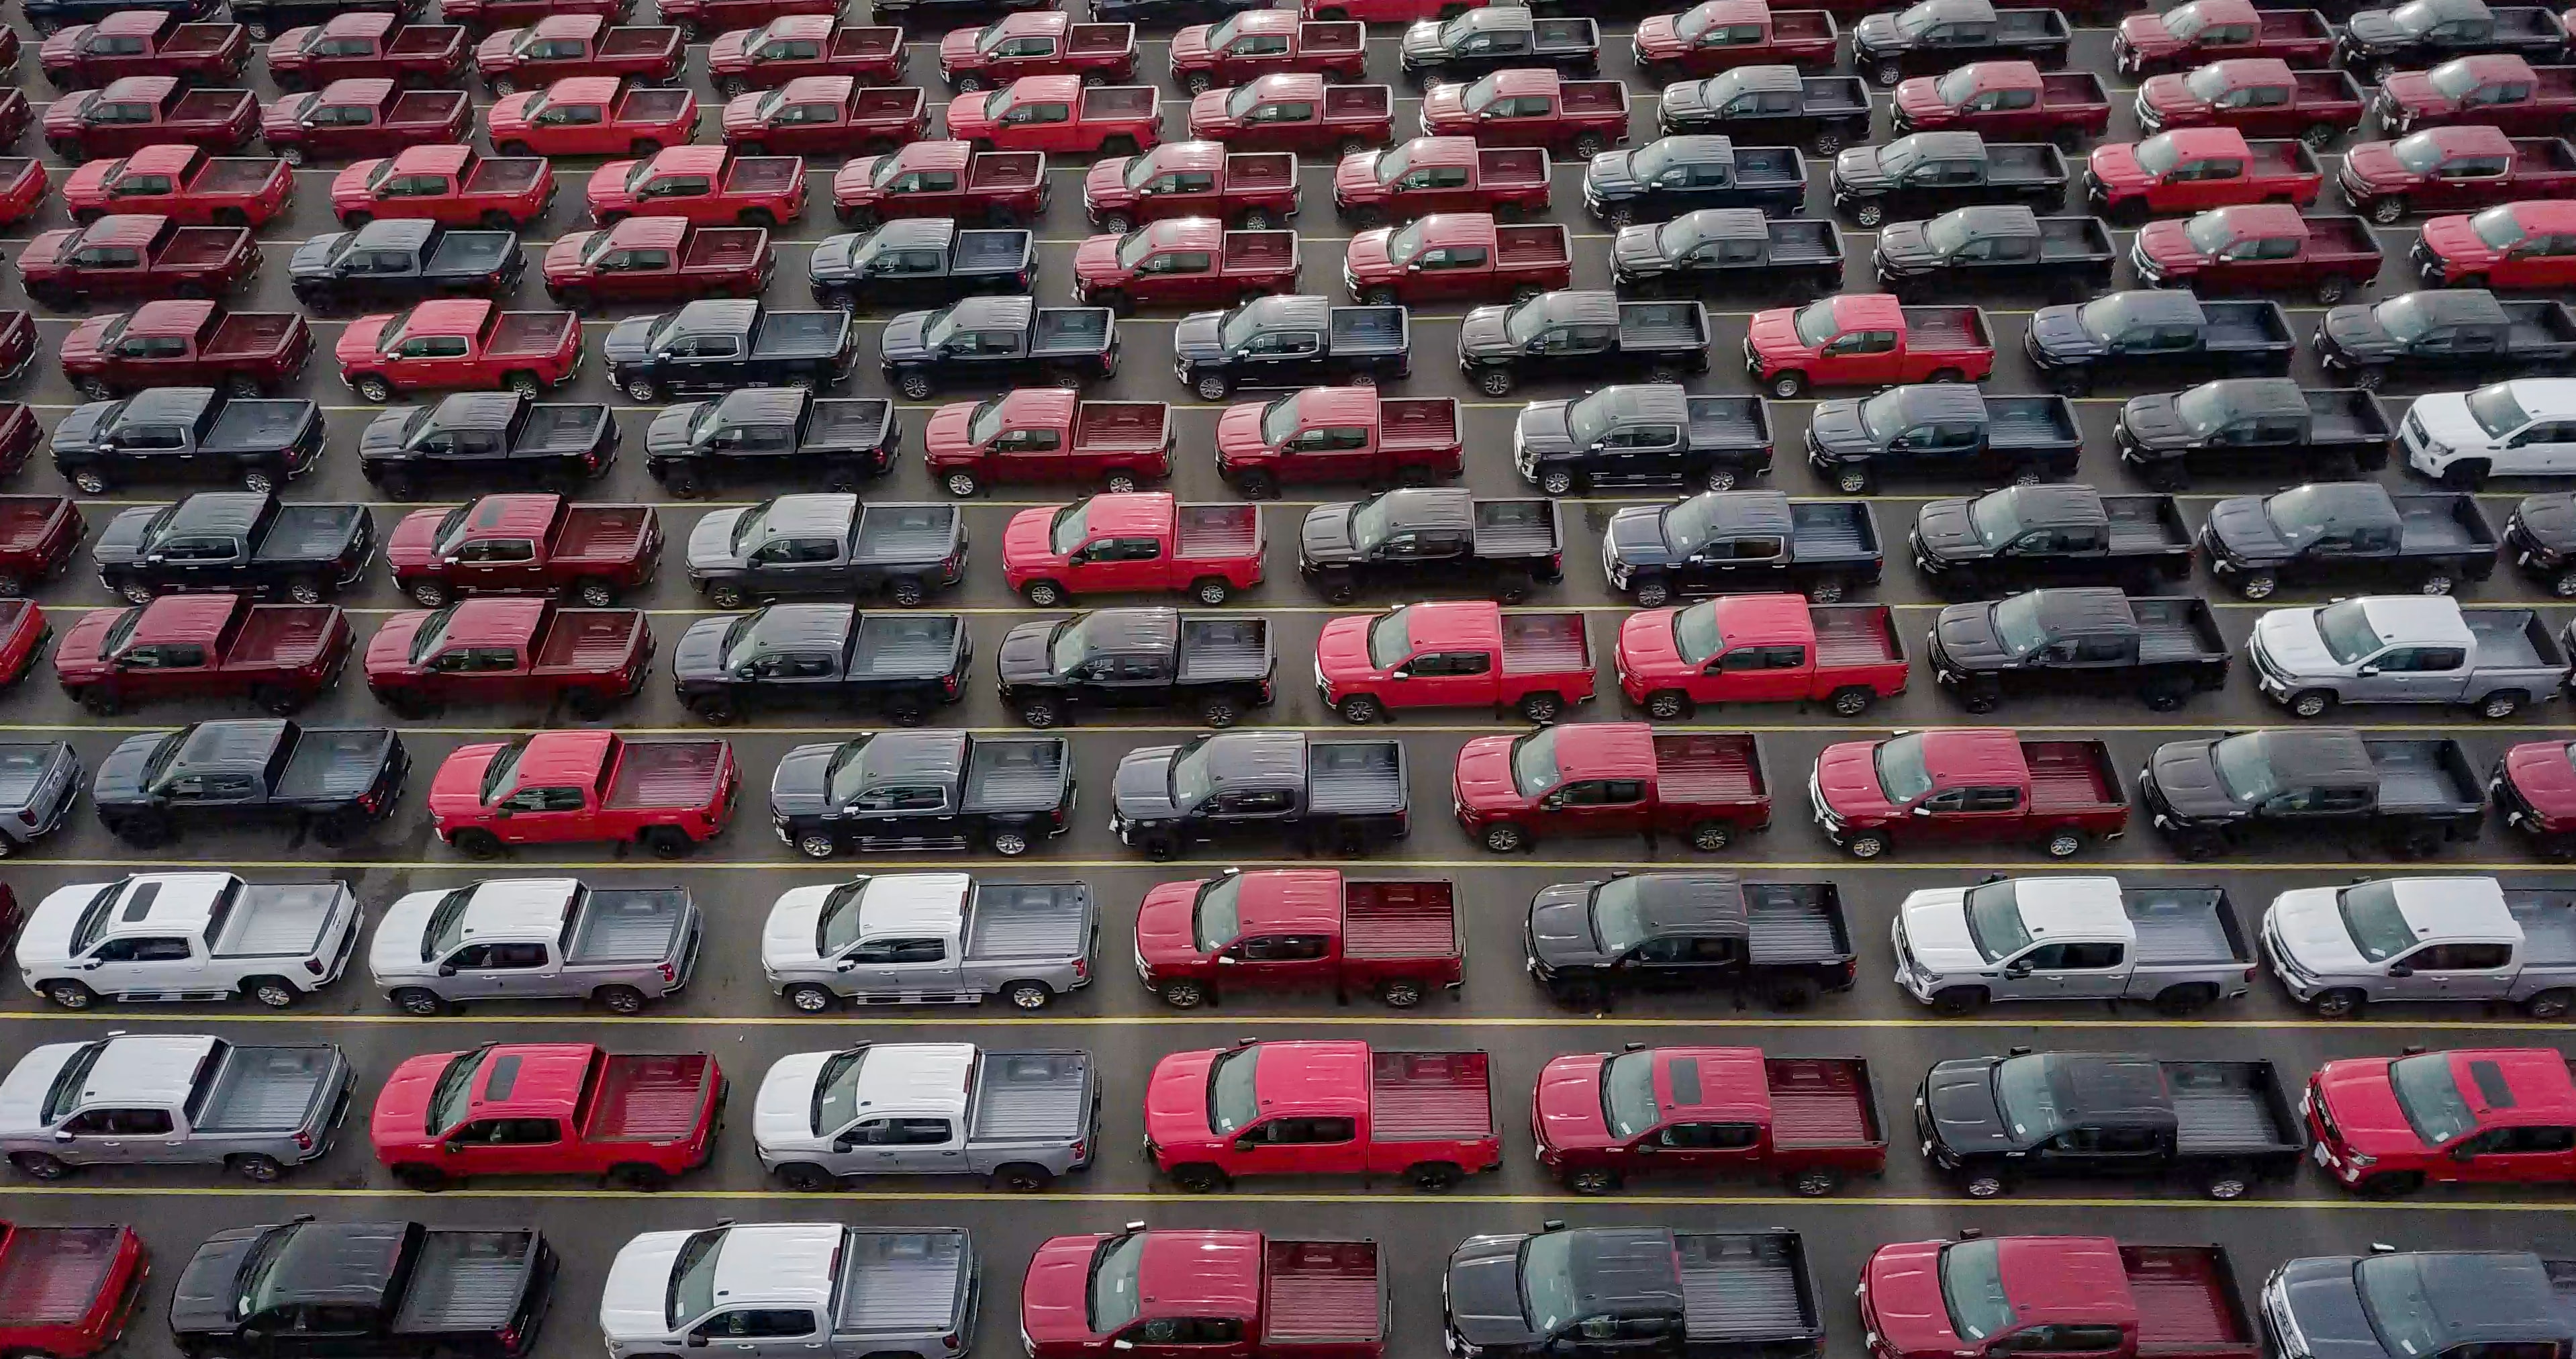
(2068, 939)
(1020, 1118)
(826, 543)
(877, 1291)
(2337, 949)
(929, 938)
(40, 782)
(2405, 649)
(172, 1099)
(536, 938)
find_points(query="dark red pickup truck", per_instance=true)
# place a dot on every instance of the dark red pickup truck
(1442, 174)
(697, 19)
(1531, 107)
(1037, 42)
(1427, 1117)
(655, 258)
(1719, 35)
(1210, 550)
(420, 350)
(1759, 649)
(141, 111)
(2135, 1302)
(794, 45)
(1610, 778)
(2502, 91)
(1058, 113)
(826, 115)
(183, 183)
(2452, 169)
(1295, 111)
(1191, 179)
(39, 534)
(2007, 101)
(635, 1120)
(1968, 784)
(1046, 435)
(592, 116)
(1600, 1117)
(2211, 30)
(482, 16)
(1186, 261)
(144, 42)
(1261, 931)
(1257, 42)
(363, 118)
(562, 46)
(23, 185)
(68, 1291)
(1476, 258)
(279, 655)
(136, 256)
(527, 544)
(368, 45)
(941, 179)
(450, 185)
(2258, 96)
(422, 660)
(669, 797)
(2259, 247)
(172, 343)
(1318, 434)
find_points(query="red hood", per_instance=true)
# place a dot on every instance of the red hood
(965, 117)
(1095, 261)
(957, 50)
(1055, 1297)
(1775, 331)
(414, 541)
(1355, 179)
(349, 187)
(742, 113)
(725, 53)
(89, 180)
(389, 651)
(1847, 775)
(2147, 35)
(2171, 98)
(1484, 776)
(1566, 1106)
(1342, 652)
(360, 342)
(2165, 243)
(457, 789)
(2116, 164)
(1189, 47)
(1444, 110)
(2376, 166)
(1920, 99)
(285, 50)
(1646, 644)
(2455, 242)
(79, 656)
(1208, 118)
(42, 255)
(563, 258)
(1238, 432)
(509, 114)
(1658, 37)
(81, 346)
(63, 48)
(1176, 1099)
(1365, 256)
(1904, 1282)
(63, 115)
(607, 186)
(284, 117)
(1166, 930)
(1025, 544)
(495, 52)
(2541, 772)
(2363, 1107)
(1105, 183)
(946, 432)
(851, 184)
(2412, 92)
(401, 1115)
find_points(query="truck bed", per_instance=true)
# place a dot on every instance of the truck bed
(1744, 1286)
(1357, 103)
(26, 520)
(264, 1090)
(1761, 166)
(1028, 920)
(1217, 650)
(587, 641)
(2171, 630)
(1515, 528)
(2345, 416)
(283, 636)
(1323, 1292)
(1533, 245)
(2068, 240)
(1249, 172)
(1831, 530)
(1030, 1097)
(2071, 776)
(651, 105)
(1365, 330)
(993, 171)
(248, 335)
(1257, 251)
(2442, 523)
(1800, 241)
(333, 763)
(798, 334)
(1355, 778)
(234, 175)
(2225, 1107)
(1944, 328)
(426, 108)
(248, 426)
(2539, 324)
(1417, 422)
(1430, 1096)
(198, 108)
(499, 175)
(465, 1281)
(2184, 926)
(1545, 644)
(2187, 1299)
(2145, 524)
(758, 175)
(2548, 921)
(1727, 421)
(1015, 774)
(648, 1096)
(196, 247)
(601, 533)
(461, 254)
(1855, 634)
(907, 645)
(2236, 324)
(1794, 922)
(1821, 1102)
(282, 921)
(661, 774)
(1709, 768)
(2513, 639)
(900, 1282)
(50, 1276)
(2024, 163)
(2029, 421)
(1216, 531)
(529, 333)
(848, 423)
(2424, 775)
(2020, 24)
(628, 925)
(1070, 332)
(1394, 921)
(1120, 424)
(905, 534)
(723, 248)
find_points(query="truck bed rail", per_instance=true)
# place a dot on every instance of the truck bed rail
(1430, 1096)
(465, 1282)
(627, 925)
(1028, 920)
(284, 921)
(1744, 1286)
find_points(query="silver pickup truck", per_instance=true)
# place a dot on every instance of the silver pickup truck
(2069, 939)
(172, 1099)
(39, 782)
(2424, 939)
(536, 938)
(187, 936)
(929, 938)
(1021, 1118)
(2405, 649)
(875, 1291)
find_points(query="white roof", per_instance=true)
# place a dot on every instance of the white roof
(2545, 398)
(181, 903)
(904, 1076)
(519, 908)
(914, 905)
(146, 1070)
(2086, 908)
(777, 1263)
(2455, 908)
(2416, 619)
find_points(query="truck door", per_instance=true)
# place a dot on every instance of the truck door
(2102, 1151)
(1702, 1148)
(2414, 674)
(925, 1145)
(497, 566)
(1329, 453)
(1757, 674)
(162, 670)
(1598, 807)
(1446, 679)
(1677, 962)
(2469, 970)
(149, 968)
(2524, 1155)
(1185, 1338)
(1300, 1146)
(117, 1136)
(1282, 960)
(756, 1331)
(2068, 971)
(1131, 681)
(1119, 564)
(2541, 448)
(889, 970)
(504, 1146)
(488, 970)
(1971, 813)
(796, 565)
(537, 816)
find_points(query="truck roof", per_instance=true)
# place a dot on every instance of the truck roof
(819, 89)
(2087, 907)
(528, 1078)
(347, 1263)
(910, 905)
(186, 618)
(825, 513)
(394, 233)
(1764, 77)
(477, 410)
(1604, 750)
(1975, 754)
(575, 25)
(2264, 219)
(232, 744)
(1580, 306)
(2065, 1279)
(691, 160)
(525, 514)
(2488, 67)
(2004, 75)
(562, 758)
(131, 23)
(915, 1076)
(1288, 85)
(1646, 403)
(2453, 908)
(938, 155)
(1947, 145)
(1182, 233)
(913, 757)
(164, 903)
(909, 232)
(985, 311)
(1453, 625)
(2477, 1298)
(1873, 311)
(2541, 216)
(1046, 89)
(2061, 504)
(663, 233)
(798, 627)
(2190, 142)
(518, 908)
(370, 90)
(1137, 513)
(781, 1263)
(161, 158)
(488, 621)
(1522, 80)
(763, 405)
(2428, 619)
(448, 316)
(1200, 1273)
(1333, 1074)
(146, 1069)
(170, 316)
(1110, 631)
(134, 229)
(1338, 406)
(2515, 1087)
(171, 405)
(583, 90)
(140, 90)
(1757, 620)
(1719, 1085)
(2158, 307)
(361, 24)
(1290, 901)
(2328, 755)
(1293, 311)
(1927, 402)
(2472, 139)
(2086, 608)
(428, 160)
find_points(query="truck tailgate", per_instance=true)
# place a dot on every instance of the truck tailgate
(628, 925)
(49, 1276)
(648, 1096)
(265, 1090)
(588, 641)
(526, 334)
(287, 636)
(1545, 644)
(1430, 1096)
(1323, 1292)
(1821, 1102)
(2186, 1297)
(1711, 767)
(1399, 920)
(466, 1281)
(1029, 920)
(1747, 1286)
(284, 921)
(602, 533)
(665, 774)
(1031, 1097)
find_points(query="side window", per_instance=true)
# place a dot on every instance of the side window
(1711, 1136)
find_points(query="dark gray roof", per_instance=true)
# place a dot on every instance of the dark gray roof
(719, 315)
(2456, 306)
(1625, 1268)
(763, 405)
(1440, 507)
(1997, 219)
(1123, 630)
(2476, 1297)
(2447, 10)
(218, 512)
(1691, 903)
(173, 405)
(811, 514)
(910, 758)
(2325, 754)
(1764, 77)
(1963, 11)
(400, 233)
(1748, 514)
(2088, 608)
(1256, 759)
(478, 410)
(2098, 1088)
(1698, 148)
(1500, 18)
(1294, 312)
(2159, 306)
(1925, 401)
(904, 232)
(1015, 309)
(231, 744)
(1580, 306)
(1729, 224)
(348, 1263)
(1647, 402)
(2262, 396)
(2347, 502)
(2055, 505)
(1947, 145)
(802, 627)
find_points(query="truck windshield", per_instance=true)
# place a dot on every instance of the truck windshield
(2454, 79)
(2495, 410)
(1534, 763)
(999, 102)
(2204, 409)
(1947, 233)
(2346, 631)
(942, 324)
(1649, 162)
(65, 1093)
(1242, 327)
(1882, 416)
(2405, 318)
(1815, 324)
(1902, 775)
(1618, 915)
(2419, 153)
(1391, 165)
(119, 631)
(1479, 95)
(1681, 236)
(1690, 525)
(1996, 518)
(1591, 419)
(1695, 632)
(986, 422)
(2243, 771)
(2393, 1298)
(1220, 38)
(1232, 1080)
(2371, 917)
(1390, 639)
(2208, 82)
(2415, 19)
(1141, 171)
(837, 926)
(1523, 323)
(1069, 645)
(1972, 1288)
(1913, 21)
(1628, 1094)
(2499, 228)
(2429, 1095)
(1243, 101)
(1218, 916)
(847, 772)
(1548, 1290)
(1279, 420)
(1134, 247)
(504, 769)
(2026, 1095)
(1191, 779)
(2016, 623)
(2209, 233)
(1955, 87)
(2185, 23)
(1117, 1292)
(454, 1092)
(446, 925)
(2298, 515)
(433, 630)
(1897, 158)
(836, 1090)
(1993, 911)
(693, 1278)
(1072, 527)
(1404, 244)
(254, 1295)
(2156, 155)
(749, 529)
(740, 645)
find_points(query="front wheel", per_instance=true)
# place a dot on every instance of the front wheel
(805, 1179)
(2310, 704)
(1866, 845)
(1184, 995)
(1593, 1182)
(810, 998)
(1505, 838)
(413, 1000)
(817, 845)
(476, 844)
(2341, 1003)
(38, 1165)
(1197, 1178)
(2390, 1184)
(1983, 1187)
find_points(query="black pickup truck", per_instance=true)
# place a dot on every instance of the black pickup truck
(771, 435)
(1420, 535)
(922, 261)
(2248, 425)
(403, 260)
(2540, 536)
(1491, 37)
(721, 345)
(1928, 172)
(2469, 331)
(2407, 796)
(330, 782)
(1290, 340)
(1935, 35)
(826, 543)
(988, 342)
(1338, 797)
(238, 542)
(926, 790)
(1730, 250)
(2049, 534)
(827, 657)
(1688, 171)
(2092, 638)
(2160, 331)
(1739, 542)
(380, 1288)
(1216, 664)
(489, 440)
(1942, 429)
(1642, 434)
(1785, 942)
(1582, 334)
(2423, 34)
(1994, 245)
(1987, 1122)
(2349, 531)
(187, 433)
(1770, 106)
(1644, 1289)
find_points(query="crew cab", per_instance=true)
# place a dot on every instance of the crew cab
(2464, 166)
(39, 536)
(1058, 114)
(404, 261)
(828, 543)
(2415, 36)
(1719, 542)
(1581, 334)
(1348, 796)
(1610, 778)
(1218, 665)
(1294, 111)
(1456, 255)
(908, 791)
(1959, 949)
(367, 45)
(280, 656)
(719, 346)
(2337, 949)
(1728, 250)
(657, 258)
(2006, 100)
(2439, 330)
(1713, 1293)
(450, 185)
(561, 46)
(198, 1100)
(2049, 533)
(2256, 422)
(1441, 174)
(2197, 168)
(1769, 105)
(1298, 929)
(2341, 530)
(2259, 247)
(184, 183)
(1218, 1114)
(2405, 649)
(142, 42)
(1136, 542)
(1926, 172)
(2156, 331)
(1465, 653)
(1034, 43)
(1531, 106)
(1256, 189)
(763, 433)
(570, 787)
(938, 179)
(1046, 435)
(1279, 1297)
(1688, 171)
(1253, 43)
(2473, 1116)
(485, 651)
(1987, 1122)
(1931, 35)
(933, 938)
(2258, 96)
(1781, 942)
(186, 936)
(1970, 784)
(1865, 340)
(996, 340)
(591, 116)
(2517, 245)
(1290, 340)
(363, 118)
(2410, 796)
(2212, 30)
(1966, 249)
(862, 1286)
(2161, 1302)
(709, 185)
(1774, 648)
(463, 342)
(1600, 1117)
(524, 544)
(1184, 260)
(2510, 427)
(2163, 649)
(1719, 35)
(1943, 429)
(633, 1120)
(1496, 37)
(1021, 1119)
(330, 782)
(2501, 91)
(234, 542)
(389, 1287)
(136, 256)
(186, 344)
(922, 259)
(793, 45)
(149, 110)
(73, 1290)
(802, 656)
(826, 114)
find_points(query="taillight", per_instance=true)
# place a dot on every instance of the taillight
(313, 965)
(670, 971)
(1080, 1148)
(2250, 970)
(948, 1341)
(508, 1336)
(948, 685)
(26, 816)
(303, 1141)
(1081, 968)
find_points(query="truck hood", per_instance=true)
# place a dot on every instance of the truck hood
(362, 340)
(2146, 35)
(1904, 1286)
(2324, 1303)
(121, 541)
(1917, 99)
(23, 1091)
(1342, 652)
(1657, 36)
(1942, 529)
(2289, 637)
(120, 775)
(742, 114)
(394, 951)
(2116, 165)
(2542, 773)
(389, 651)
(2363, 1106)
(494, 52)
(946, 430)
(726, 52)
(1444, 107)
(1027, 538)
(1195, 337)
(1966, 633)
(401, 1115)
(668, 435)
(1365, 256)
(1325, 537)
(2153, 421)
(457, 788)
(1355, 178)
(1190, 45)
(203, 1300)
(2244, 533)
(1176, 1098)
(901, 340)
(1481, 333)
(783, 1115)
(2369, 29)
(787, 937)
(414, 541)
(2356, 331)
(1238, 431)
(800, 785)
(1105, 183)
(711, 540)
(630, 340)
(1904, 246)
(2058, 332)
(282, 121)
(1936, 930)
(965, 117)
(563, 258)
(1683, 99)
(1166, 925)
(1568, 1103)
(1638, 250)
(2374, 165)
(1208, 115)
(832, 254)
(2186, 777)
(1636, 535)
(78, 657)
(313, 258)
(2413, 92)
(957, 49)
(383, 436)
(1484, 1291)
(64, 115)
(46, 938)
(2170, 97)
(78, 433)
(631, 1300)
(509, 114)
(1422, 39)
(62, 49)
(2308, 925)
(1560, 926)
(1055, 1298)
(1484, 775)
(2454, 241)
(1847, 776)
(81, 346)
(1775, 331)
(1646, 642)
(699, 654)
(1022, 656)
(1142, 788)
(1545, 427)
(1857, 167)
(1959, 1097)
(1610, 175)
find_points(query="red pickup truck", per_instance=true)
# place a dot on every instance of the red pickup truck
(1454, 654)
(2006, 101)
(794, 45)
(833, 115)
(175, 343)
(363, 118)
(183, 183)
(2259, 247)
(458, 344)
(19, 432)
(1968, 783)
(1387, 11)
(592, 116)
(1258, 42)
(2516, 245)
(1298, 929)
(1442, 174)
(1037, 43)
(2446, 169)
(141, 111)
(68, 1291)
(1280, 1299)
(39, 536)
(1295, 111)
(1759, 649)
(281, 656)
(635, 1120)
(584, 787)
(1457, 255)
(2212, 30)
(1320, 434)
(1133, 543)
(709, 185)
(144, 42)
(422, 660)
(1600, 1117)
(562, 46)
(1833, 342)
(653, 258)
(2198, 168)
(1217, 1114)
(1610, 778)
(22, 188)
(1719, 35)
(941, 179)
(483, 16)
(1531, 107)
(1058, 113)
(2500, 90)
(24, 629)
(136, 256)
(367, 45)
(524, 545)
(2506, 1112)
(451, 185)
(1256, 189)
(2135, 1302)
(1189, 261)
(696, 19)
(1045, 434)
(2258, 96)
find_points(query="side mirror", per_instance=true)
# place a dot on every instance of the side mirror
(843, 1144)
(1122, 1344)
(1227, 960)
(1244, 1144)
(1551, 802)
(696, 1342)
(447, 969)
(62, 1134)
(2367, 671)
(2400, 970)
(1922, 811)
(845, 964)
(1644, 1148)
(2017, 971)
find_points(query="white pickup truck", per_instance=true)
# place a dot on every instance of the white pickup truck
(187, 936)
(882, 1292)
(929, 938)
(1021, 1118)
(2069, 939)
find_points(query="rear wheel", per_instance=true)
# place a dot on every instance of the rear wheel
(277, 993)
(1851, 700)
(1403, 993)
(1541, 708)
(256, 1168)
(1010, 842)
(2064, 844)
(2184, 1000)
(1590, 144)
(1219, 713)
(666, 842)
(1022, 1178)
(2550, 1004)
(476, 844)
(1815, 1182)
(2227, 1186)
(620, 1000)
(2501, 704)
(1211, 591)
(1708, 837)
(414, 1000)
(1026, 994)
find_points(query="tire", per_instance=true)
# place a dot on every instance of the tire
(2389, 1184)
(817, 845)
(147, 830)
(420, 1179)
(1434, 1177)
(2177, 1001)
(1590, 144)
(1010, 842)
(1211, 591)
(587, 705)
(801, 1178)
(475, 843)
(1213, 388)
(2258, 585)
(373, 388)
(69, 995)
(1719, 479)
(1183, 995)
(1219, 713)
(2468, 474)
(1198, 1177)
(2227, 1186)
(725, 594)
(1020, 1177)
(1870, 214)
(1198, 83)
(1789, 386)
(1668, 705)
(1495, 382)
(1959, 1000)
(429, 594)
(1709, 837)
(1027, 995)
(667, 842)
(1541, 708)
(1851, 700)
(810, 998)
(2340, 1003)
(1504, 837)
(1380, 297)
(751, 148)
(304, 590)
(1402, 993)
(1983, 1186)
(2064, 844)
(1867, 845)
(2318, 136)
(1593, 1182)
(1557, 481)
(1954, 375)
(2329, 291)
(619, 1000)
(1655, 594)
(2386, 211)
(1041, 713)
(639, 1177)
(906, 592)
(2311, 704)
(276, 993)
(1790, 993)
(1043, 594)
(38, 1165)
(256, 1168)
(2501, 704)
(2550, 1004)
(414, 1000)
(1814, 1183)
(2437, 583)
